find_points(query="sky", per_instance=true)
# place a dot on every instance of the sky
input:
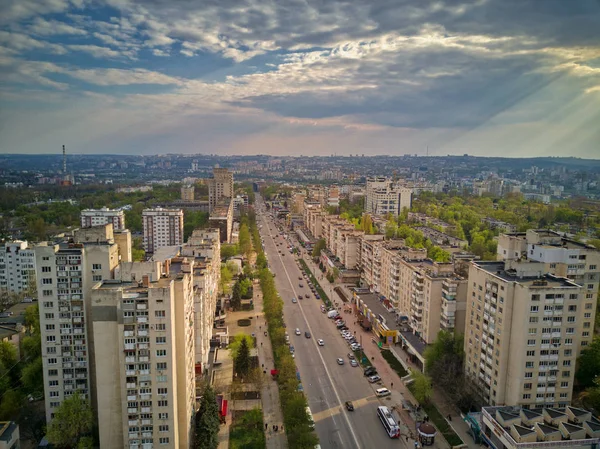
(508, 78)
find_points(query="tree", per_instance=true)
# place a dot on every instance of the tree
(242, 359)
(228, 251)
(32, 318)
(236, 296)
(244, 241)
(588, 364)
(32, 421)
(319, 246)
(236, 342)
(261, 260)
(207, 421)
(390, 228)
(32, 376)
(73, 421)
(11, 404)
(8, 359)
(225, 279)
(590, 398)
(422, 389)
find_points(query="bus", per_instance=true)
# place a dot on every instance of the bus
(388, 421)
(310, 418)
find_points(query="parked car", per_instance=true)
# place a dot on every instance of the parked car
(351, 356)
(353, 363)
(349, 406)
(374, 378)
(307, 296)
(381, 392)
(370, 371)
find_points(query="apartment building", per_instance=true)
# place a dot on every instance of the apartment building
(384, 197)
(187, 193)
(17, 267)
(162, 227)
(524, 331)
(98, 217)
(219, 186)
(313, 218)
(560, 256)
(66, 273)
(221, 217)
(146, 381)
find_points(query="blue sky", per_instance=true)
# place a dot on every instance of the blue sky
(484, 77)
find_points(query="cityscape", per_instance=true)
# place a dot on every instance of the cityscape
(333, 224)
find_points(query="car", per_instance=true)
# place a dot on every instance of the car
(299, 278)
(340, 361)
(298, 332)
(307, 334)
(353, 363)
(292, 349)
(294, 300)
(374, 378)
(300, 285)
(321, 342)
(381, 392)
(287, 339)
(344, 328)
(370, 371)
(349, 406)
(318, 296)
(351, 356)
(355, 346)
(307, 296)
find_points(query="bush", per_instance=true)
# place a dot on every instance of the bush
(394, 362)
(247, 432)
(244, 323)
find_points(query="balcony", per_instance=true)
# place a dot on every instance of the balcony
(130, 372)
(131, 385)
(131, 397)
(143, 333)
(146, 409)
(142, 306)
(132, 422)
(132, 410)
(147, 434)
(142, 319)
(129, 359)
(130, 346)
(146, 422)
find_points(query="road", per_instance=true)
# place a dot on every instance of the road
(326, 384)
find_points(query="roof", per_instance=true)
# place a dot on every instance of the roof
(7, 428)
(522, 430)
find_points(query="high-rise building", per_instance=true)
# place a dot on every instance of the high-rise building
(187, 193)
(219, 186)
(17, 267)
(97, 217)
(162, 227)
(65, 275)
(221, 217)
(524, 331)
(146, 381)
(384, 197)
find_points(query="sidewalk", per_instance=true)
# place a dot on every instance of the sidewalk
(271, 404)
(389, 376)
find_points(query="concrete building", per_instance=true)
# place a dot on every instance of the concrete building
(384, 197)
(65, 274)
(542, 428)
(146, 381)
(187, 193)
(333, 196)
(17, 267)
(98, 217)
(221, 217)
(162, 227)
(9, 435)
(219, 186)
(524, 331)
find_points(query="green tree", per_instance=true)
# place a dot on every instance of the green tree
(247, 432)
(207, 421)
(422, 389)
(225, 279)
(319, 246)
(11, 404)
(261, 260)
(588, 364)
(391, 227)
(8, 359)
(236, 342)
(32, 318)
(590, 398)
(32, 376)
(73, 421)
(242, 359)
(137, 250)
(236, 296)
(244, 241)
(228, 251)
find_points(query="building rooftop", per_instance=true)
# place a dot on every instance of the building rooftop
(524, 273)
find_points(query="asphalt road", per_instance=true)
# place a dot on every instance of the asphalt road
(326, 384)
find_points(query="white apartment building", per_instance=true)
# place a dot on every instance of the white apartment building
(524, 331)
(98, 217)
(146, 381)
(384, 197)
(187, 193)
(17, 267)
(162, 227)
(65, 275)
(219, 186)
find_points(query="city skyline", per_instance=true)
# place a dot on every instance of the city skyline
(488, 78)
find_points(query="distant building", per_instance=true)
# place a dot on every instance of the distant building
(187, 193)
(384, 197)
(219, 186)
(98, 217)
(17, 266)
(221, 217)
(162, 227)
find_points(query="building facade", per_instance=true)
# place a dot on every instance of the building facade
(384, 197)
(187, 193)
(17, 267)
(219, 186)
(98, 217)
(162, 227)
(221, 217)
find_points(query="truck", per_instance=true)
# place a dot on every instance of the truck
(332, 314)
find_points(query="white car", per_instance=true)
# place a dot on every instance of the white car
(340, 361)
(374, 378)
(353, 363)
(321, 342)
(298, 331)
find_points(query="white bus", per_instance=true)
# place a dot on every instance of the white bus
(388, 421)
(310, 417)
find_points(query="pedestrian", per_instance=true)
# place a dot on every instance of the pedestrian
(261, 343)
(266, 425)
(273, 426)
(391, 384)
(282, 427)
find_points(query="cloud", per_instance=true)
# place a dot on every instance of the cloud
(21, 43)
(100, 52)
(121, 77)
(43, 27)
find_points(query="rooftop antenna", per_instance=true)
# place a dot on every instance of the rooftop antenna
(64, 161)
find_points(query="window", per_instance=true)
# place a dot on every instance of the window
(592, 267)
(51, 350)
(161, 340)
(566, 373)
(46, 269)
(163, 403)
(535, 297)
(163, 416)
(533, 309)
(163, 428)
(97, 277)
(570, 330)
(161, 379)
(96, 266)
(162, 391)
(587, 315)
(159, 313)
(161, 327)
(526, 396)
(52, 361)
(163, 440)
(161, 366)
(46, 292)
(50, 338)
(54, 394)
(530, 353)
(533, 319)
(53, 383)
(572, 308)
(587, 325)
(161, 353)
(570, 319)
(50, 327)
(53, 372)
(532, 331)
(568, 341)
(528, 364)
(47, 281)
(530, 342)
(527, 386)
(588, 306)
(566, 363)
(585, 334)
(528, 375)
(48, 304)
(564, 385)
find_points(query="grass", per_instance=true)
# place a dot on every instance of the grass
(439, 421)
(359, 357)
(248, 431)
(320, 291)
(394, 362)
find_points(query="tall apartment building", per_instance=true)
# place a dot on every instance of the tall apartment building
(221, 217)
(187, 193)
(524, 331)
(162, 227)
(65, 275)
(219, 186)
(384, 197)
(146, 381)
(17, 267)
(98, 217)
